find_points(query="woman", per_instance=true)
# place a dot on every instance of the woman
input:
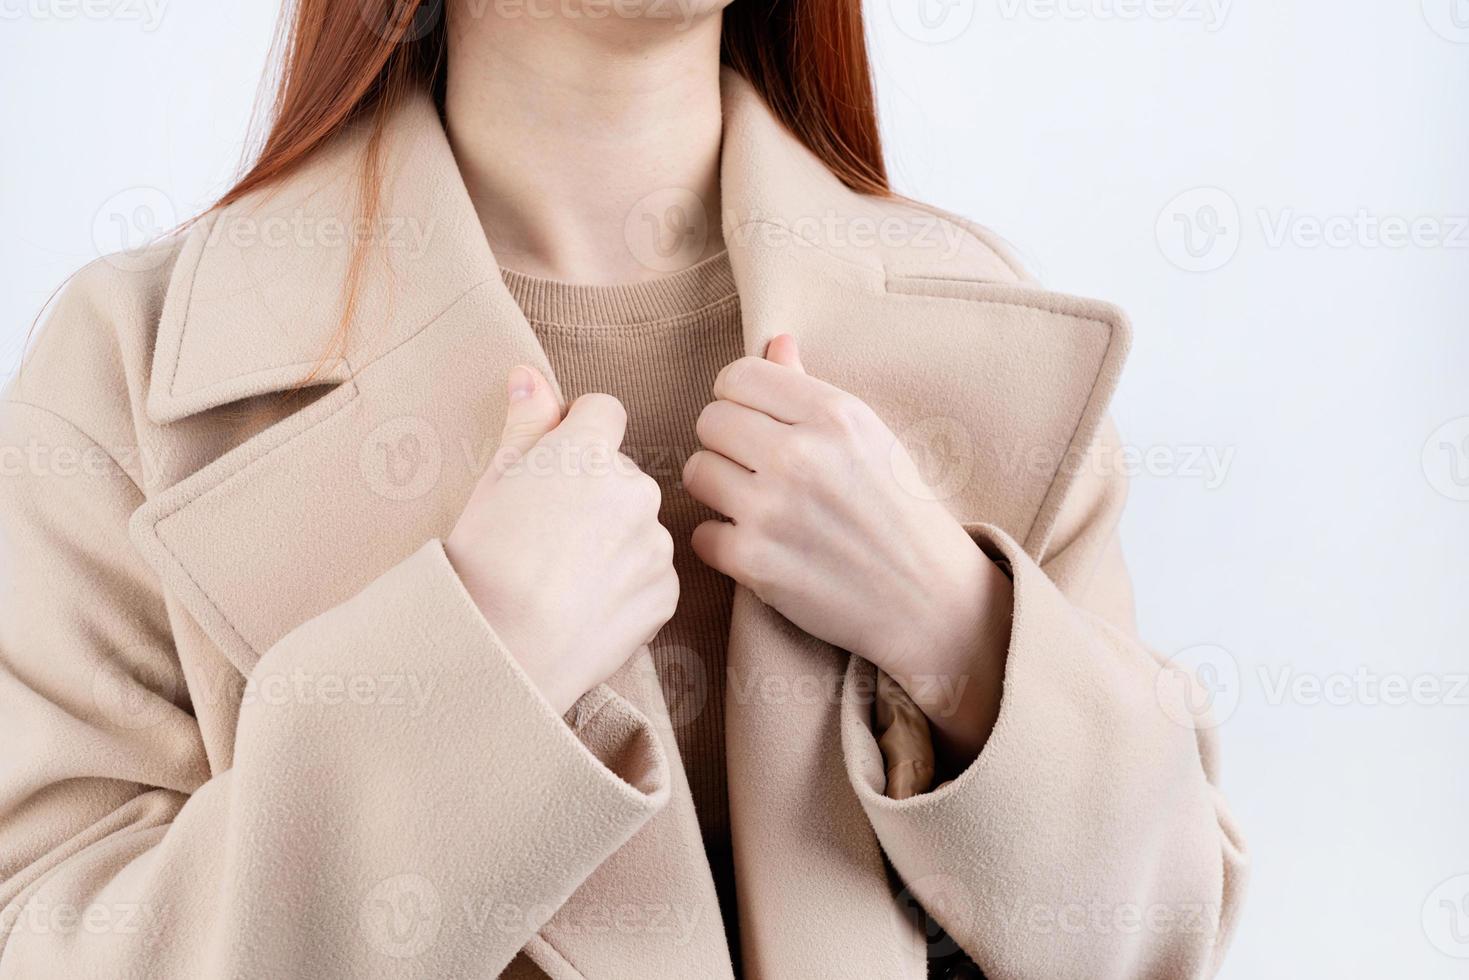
(309, 673)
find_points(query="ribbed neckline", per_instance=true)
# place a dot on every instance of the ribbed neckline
(550, 301)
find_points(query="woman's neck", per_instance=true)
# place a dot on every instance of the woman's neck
(590, 147)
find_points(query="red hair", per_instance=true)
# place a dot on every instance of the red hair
(340, 61)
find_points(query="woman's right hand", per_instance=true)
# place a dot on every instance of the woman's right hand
(560, 544)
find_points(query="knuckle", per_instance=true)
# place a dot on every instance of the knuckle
(636, 495)
(669, 594)
(734, 373)
(663, 548)
(846, 412)
(762, 511)
(661, 593)
(707, 420)
(627, 467)
(650, 493)
(795, 458)
(691, 466)
(748, 560)
(605, 406)
(519, 430)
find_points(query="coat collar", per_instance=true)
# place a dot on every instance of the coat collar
(255, 301)
(995, 383)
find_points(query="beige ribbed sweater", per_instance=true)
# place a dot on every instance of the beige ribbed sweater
(657, 347)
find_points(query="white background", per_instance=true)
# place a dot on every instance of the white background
(1294, 519)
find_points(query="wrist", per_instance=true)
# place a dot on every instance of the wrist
(955, 672)
(544, 673)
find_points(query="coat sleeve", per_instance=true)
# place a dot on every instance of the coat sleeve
(1088, 840)
(344, 838)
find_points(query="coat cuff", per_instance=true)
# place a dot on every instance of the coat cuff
(904, 733)
(1086, 774)
(520, 802)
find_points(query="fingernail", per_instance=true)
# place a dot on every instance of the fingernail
(522, 383)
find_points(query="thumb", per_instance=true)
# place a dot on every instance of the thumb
(532, 412)
(782, 350)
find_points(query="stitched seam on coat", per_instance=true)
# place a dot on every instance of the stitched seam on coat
(188, 313)
(985, 301)
(204, 390)
(244, 467)
(1086, 411)
(810, 244)
(583, 723)
(545, 940)
(350, 383)
(929, 277)
(1021, 277)
(980, 234)
(178, 350)
(417, 331)
(1091, 393)
(352, 392)
(158, 536)
(560, 952)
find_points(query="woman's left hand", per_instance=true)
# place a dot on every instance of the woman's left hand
(830, 524)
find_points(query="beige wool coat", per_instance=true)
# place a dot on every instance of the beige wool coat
(253, 726)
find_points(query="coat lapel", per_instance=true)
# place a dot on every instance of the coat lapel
(329, 497)
(993, 384)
